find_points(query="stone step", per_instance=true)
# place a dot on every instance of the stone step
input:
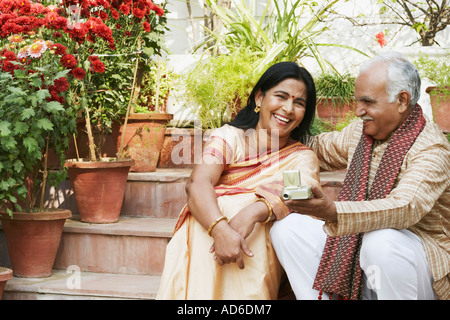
(159, 194)
(133, 245)
(75, 285)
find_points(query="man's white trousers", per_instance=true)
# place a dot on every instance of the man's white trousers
(393, 261)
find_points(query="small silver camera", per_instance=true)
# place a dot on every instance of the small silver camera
(293, 190)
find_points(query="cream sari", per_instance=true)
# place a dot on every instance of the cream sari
(190, 272)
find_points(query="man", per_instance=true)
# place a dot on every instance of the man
(388, 235)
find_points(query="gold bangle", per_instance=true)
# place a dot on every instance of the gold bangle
(269, 207)
(216, 222)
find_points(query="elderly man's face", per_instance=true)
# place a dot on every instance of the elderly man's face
(380, 116)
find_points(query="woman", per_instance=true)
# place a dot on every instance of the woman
(221, 247)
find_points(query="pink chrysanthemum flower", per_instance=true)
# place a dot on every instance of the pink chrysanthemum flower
(15, 38)
(23, 53)
(37, 48)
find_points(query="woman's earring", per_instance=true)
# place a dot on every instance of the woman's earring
(257, 108)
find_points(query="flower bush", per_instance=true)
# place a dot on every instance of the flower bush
(33, 117)
(59, 58)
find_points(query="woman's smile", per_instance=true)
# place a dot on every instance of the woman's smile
(281, 120)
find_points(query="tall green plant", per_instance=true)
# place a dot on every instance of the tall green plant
(219, 86)
(278, 35)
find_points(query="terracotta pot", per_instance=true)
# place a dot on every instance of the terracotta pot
(5, 275)
(33, 240)
(182, 147)
(99, 188)
(440, 103)
(332, 110)
(143, 139)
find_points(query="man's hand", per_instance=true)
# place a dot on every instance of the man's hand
(320, 206)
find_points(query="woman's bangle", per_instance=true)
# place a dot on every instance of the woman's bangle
(269, 207)
(216, 222)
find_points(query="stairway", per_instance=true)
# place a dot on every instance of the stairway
(123, 260)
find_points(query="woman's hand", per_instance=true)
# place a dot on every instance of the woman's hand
(241, 224)
(229, 245)
(244, 221)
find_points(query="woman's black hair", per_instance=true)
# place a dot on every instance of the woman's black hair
(247, 118)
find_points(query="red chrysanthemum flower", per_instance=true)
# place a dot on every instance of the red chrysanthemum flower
(93, 58)
(124, 8)
(59, 22)
(97, 66)
(6, 6)
(54, 95)
(147, 26)
(68, 61)
(103, 15)
(59, 49)
(9, 67)
(158, 10)
(61, 84)
(78, 73)
(138, 13)
(115, 14)
(9, 55)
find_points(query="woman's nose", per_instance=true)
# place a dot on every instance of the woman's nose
(288, 106)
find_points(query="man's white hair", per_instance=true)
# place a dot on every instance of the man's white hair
(401, 75)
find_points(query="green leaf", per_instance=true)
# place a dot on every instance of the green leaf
(30, 144)
(4, 128)
(42, 94)
(20, 127)
(53, 107)
(37, 82)
(3, 185)
(62, 74)
(9, 143)
(45, 124)
(28, 113)
(17, 91)
(12, 198)
(19, 73)
(18, 165)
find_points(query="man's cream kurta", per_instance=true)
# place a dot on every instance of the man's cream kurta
(419, 202)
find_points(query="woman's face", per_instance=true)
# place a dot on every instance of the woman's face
(282, 108)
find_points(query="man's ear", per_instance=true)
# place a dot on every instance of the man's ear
(404, 99)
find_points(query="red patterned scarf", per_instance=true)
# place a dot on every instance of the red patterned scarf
(339, 270)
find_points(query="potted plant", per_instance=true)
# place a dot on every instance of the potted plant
(142, 137)
(437, 71)
(105, 41)
(5, 275)
(34, 118)
(334, 95)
